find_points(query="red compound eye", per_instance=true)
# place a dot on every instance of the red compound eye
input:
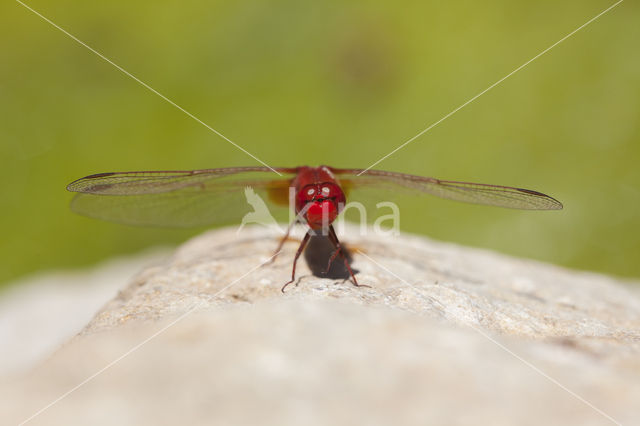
(304, 196)
(321, 203)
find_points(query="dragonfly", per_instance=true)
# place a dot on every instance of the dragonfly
(190, 198)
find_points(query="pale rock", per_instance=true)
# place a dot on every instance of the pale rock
(444, 335)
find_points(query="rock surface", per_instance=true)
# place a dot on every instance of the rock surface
(444, 335)
(40, 313)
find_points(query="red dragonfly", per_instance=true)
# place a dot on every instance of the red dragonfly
(216, 196)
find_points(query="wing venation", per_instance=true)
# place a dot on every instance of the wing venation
(477, 193)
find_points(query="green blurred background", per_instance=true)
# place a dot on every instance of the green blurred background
(339, 83)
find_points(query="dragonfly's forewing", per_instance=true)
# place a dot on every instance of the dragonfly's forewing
(221, 196)
(182, 198)
(477, 193)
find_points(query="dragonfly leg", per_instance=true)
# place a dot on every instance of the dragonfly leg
(331, 259)
(334, 239)
(304, 242)
(281, 243)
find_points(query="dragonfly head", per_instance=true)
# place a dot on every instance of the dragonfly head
(320, 203)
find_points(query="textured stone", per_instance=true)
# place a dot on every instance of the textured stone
(444, 335)
(39, 313)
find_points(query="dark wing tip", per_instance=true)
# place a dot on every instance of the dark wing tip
(99, 175)
(554, 204)
(76, 187)
(529, 191)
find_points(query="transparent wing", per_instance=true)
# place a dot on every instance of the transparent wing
(183, 198)
(477, 193)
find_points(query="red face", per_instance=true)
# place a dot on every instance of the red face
(323, 203)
